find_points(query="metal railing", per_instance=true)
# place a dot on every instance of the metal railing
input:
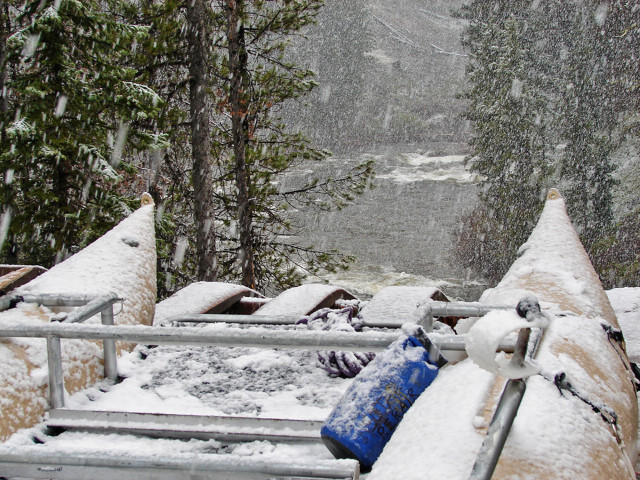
(512, 395)
(88, 306)
(428, 311)
(71, 328)
(35, 463)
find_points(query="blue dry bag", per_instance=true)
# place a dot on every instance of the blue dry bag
(366, 416)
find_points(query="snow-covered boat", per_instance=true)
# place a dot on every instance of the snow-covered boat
(176, 392)
(578, 417)
(120, 264)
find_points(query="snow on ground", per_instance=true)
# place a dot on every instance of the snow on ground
(206, 381)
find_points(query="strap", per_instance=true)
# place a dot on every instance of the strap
(607, 414)
(615, 335)
(13, 303)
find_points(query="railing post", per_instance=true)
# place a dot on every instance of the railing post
(56, 376)
(426, 317)
(109, 346)
(507, 409)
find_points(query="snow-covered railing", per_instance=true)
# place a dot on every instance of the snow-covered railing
(428, 312)
(88, 306)
(230, 337)
(71, 328)
(35, 462)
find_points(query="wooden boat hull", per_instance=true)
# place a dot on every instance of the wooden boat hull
(555, 435)
(122, 261)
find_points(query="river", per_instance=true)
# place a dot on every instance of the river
(401, 230)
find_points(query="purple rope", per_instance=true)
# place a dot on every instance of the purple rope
(338, 364)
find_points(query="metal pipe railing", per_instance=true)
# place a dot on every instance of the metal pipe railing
(462, 309)
(46, 299)
(36, 462)
(88, 306)
(56, 376)
(229, 337)
(511, 398)
(428, 312)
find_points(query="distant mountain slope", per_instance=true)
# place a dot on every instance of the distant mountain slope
(388, 74)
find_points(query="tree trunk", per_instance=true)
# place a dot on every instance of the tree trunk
(5, 31)
(11, 252)
(204, 208)
(239, 130)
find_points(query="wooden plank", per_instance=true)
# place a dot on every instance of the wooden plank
(16, 276)
(201, 297)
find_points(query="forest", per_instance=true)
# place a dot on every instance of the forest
(105, 99)
(204, 105)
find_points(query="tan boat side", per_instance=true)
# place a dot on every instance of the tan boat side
(555, 435)
(23, 392)
(611, 385)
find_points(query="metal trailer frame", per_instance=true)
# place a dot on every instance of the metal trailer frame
(32, 462)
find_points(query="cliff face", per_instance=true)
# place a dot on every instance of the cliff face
(388, 73)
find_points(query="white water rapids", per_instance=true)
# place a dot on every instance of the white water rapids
(401, 230)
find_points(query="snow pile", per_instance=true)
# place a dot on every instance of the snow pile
(398, 304)
(626, 303)
(122, 261)
(299, 300)
(436, 438)
(207, 381)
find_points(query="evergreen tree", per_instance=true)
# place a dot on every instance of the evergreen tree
(573, 93)
(250, 147)
(617, 256)
(256, 81)
(586, 115)
(175, 59)
(505, 105)
(198, 16)
(70, 109)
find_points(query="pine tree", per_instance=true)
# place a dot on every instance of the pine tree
(175, 59)
(71, 109)
(505, 105)
(586, 115)
(256, 81)
(200, 110)
(617, 255)
(246, 85)
(572, 71)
